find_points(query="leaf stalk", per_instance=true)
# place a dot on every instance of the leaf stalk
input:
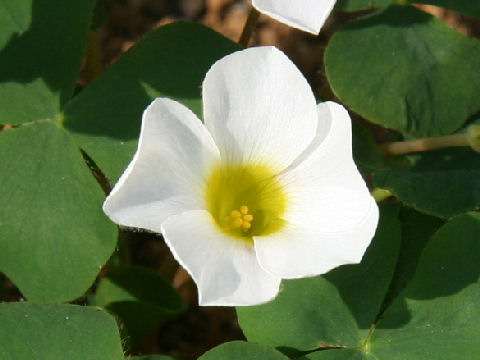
(249, 27)
(425, 144)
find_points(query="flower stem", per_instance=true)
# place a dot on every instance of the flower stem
(425, 144)
(249, 27)
(93, 63)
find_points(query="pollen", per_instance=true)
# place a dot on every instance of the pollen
(245, 200)
(240, 219)
(235, 214)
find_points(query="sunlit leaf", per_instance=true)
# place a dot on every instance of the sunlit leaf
(54, 237)
(53, 332)
(239, 350)
(398, 68)
(336, 309)
(438, 314)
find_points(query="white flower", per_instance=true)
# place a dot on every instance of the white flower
(266, 189)
(306, 15)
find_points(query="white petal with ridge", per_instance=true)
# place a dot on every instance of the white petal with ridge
(259, 107)
(307, 15)
(168, 172)
(225, 269)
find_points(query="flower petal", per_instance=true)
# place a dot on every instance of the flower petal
(326, 193)
(307, 15)
(295, 252)
(259, 108)
(225, 269)
(168, 172)
(331, 216)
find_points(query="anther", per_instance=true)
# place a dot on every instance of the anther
(240, 219)
(248, 217)
(236, 214)
(238, 222)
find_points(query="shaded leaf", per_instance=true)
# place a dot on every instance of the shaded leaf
(438, 316)
(42, 43)
(417, 229)
(139, 297)
(357, 5)
(367, 154)
(170, 62)
(466, 7)
(442, 183)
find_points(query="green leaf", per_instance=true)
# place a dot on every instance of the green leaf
(365, 151)
(438, 316)
(336, 309)
(171, 62)
(436, 174)
(151, 357)
(139, 297)
(240, 350)
(53, 332)
(357, 5)
(54, 237)
(41, 49)
(397, 68)
(338, 354)
(466, 7)
(417, 229)
(367, 154)
(99, 15)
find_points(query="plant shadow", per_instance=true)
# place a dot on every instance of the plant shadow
(40, 52)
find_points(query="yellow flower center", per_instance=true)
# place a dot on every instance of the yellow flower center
(246, 200)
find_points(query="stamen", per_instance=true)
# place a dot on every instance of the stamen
(249, 193)
(236, 214)
(239, 219)
(246, 225)
(237, 222)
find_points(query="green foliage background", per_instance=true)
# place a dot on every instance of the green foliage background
(416, 293)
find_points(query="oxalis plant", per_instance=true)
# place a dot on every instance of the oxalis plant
(330, 244)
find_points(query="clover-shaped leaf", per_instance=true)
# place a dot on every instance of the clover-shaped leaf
(171, 61)
(398, 67)
(336, 309)
(52, 332)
